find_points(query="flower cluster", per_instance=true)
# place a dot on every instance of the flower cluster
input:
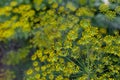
(61, 39)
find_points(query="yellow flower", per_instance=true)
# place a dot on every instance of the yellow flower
(15, 10)
(44, 74)
(37, 76)
(61, 9)
(110, 15)
(59, 77)
(43, 78)
(38, 2)
(71, 6)
(27, 7)
(85, 23)
(35, 63)
(72, 35)
(42, 59)
(51, 12)
(84, 11)
(117, 9)
(116, 32)
(8, 8)
(43, 68)
(37, 68)
(51, 76)
(61, 60)
(39, 55)
(103, 30)
(104, 8)
(33, 57)
(30, 71)
(8, 33)
(66, 78)
(55, 5)
(82, 2)
(31, 13)
(84, 77)
(13, 3)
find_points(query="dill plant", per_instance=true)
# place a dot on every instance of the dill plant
(60, 40)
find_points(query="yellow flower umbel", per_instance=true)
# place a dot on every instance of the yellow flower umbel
(29, 71)
(61, 9)
(103, 30)
(110, 15)
(59, 77)
(38, 2)
(54, 5)
(62, 38)
(104, 8)
(37, 76)
(71, 6)
(82, 2)
(34, 57)
(35, 63)
(51, 76)
(13, 3)
(37, 69)
(117, 9)
(84, 11)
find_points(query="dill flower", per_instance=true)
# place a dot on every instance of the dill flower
(85, 23)
(38, 2)
(35, 63)
(39, 55)
(104, 8)
(34, 57)
(37, 76)
(82, 2)
(27, 7)
(116, 32)
(13, 3)
(57, 36)
(61, 60)
(51, 12)
(72, 35)
(59, 77)
(103, 30)
(51, 76)
(43, 68)
(117, 9)
(15, 10)
(54, 5)
(84, 11)
(61, 9)
(31, 13)
(110, 15)
(8, 33)
(50, 1)
(71, 6)
(7, 8)
(37, 68)
(30, 71)
(44, 74)
(67, 44)
(66, 78)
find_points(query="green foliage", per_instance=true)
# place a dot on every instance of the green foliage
(61, 40)
(14, 57)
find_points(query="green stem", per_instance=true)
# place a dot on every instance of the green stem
(88, 61)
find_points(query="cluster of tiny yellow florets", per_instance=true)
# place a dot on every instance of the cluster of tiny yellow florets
(56, 50)
(7, 29)
(51, 65)
(65, 45)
